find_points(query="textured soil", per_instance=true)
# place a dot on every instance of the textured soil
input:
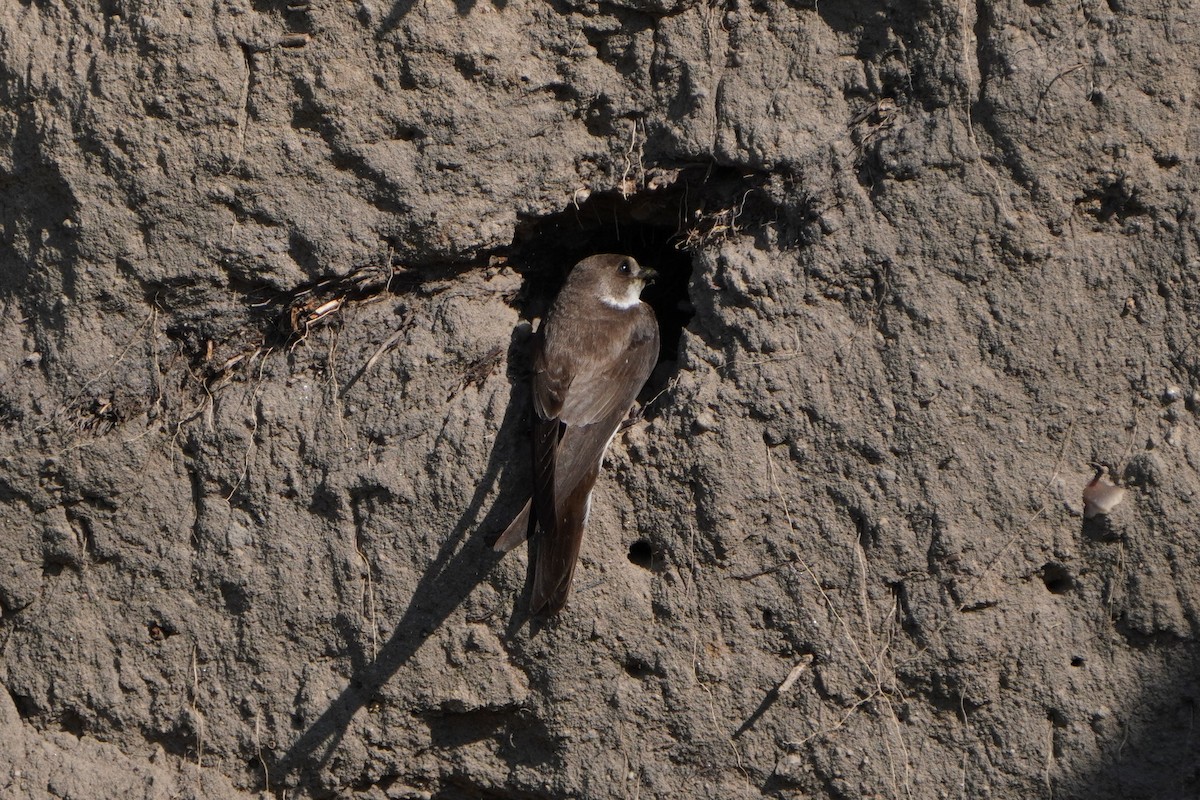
(267, 275)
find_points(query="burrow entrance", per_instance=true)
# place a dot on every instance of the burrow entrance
(659, 227)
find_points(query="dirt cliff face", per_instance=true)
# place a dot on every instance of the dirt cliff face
(266, 269)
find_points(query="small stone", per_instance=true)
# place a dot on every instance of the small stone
(1101, 495)
(1172, 394)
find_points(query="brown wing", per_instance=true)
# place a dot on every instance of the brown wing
(599, 393)
(551, 380)
(546, 434)
(550, 385)
(580, 454)
(579, 450)
(557, 554)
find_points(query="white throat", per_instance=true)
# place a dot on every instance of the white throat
(626, 301)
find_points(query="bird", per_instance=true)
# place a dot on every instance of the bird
(591, 356)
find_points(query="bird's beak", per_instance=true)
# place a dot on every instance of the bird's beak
(648, 274)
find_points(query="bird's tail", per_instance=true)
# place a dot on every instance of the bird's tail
(558, 554)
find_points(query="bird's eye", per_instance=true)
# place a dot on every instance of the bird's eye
(624, 268)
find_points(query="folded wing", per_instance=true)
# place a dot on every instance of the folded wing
(590, 413)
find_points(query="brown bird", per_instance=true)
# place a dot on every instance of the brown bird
(591, 357)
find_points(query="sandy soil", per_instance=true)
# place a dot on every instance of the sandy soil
(267, 275)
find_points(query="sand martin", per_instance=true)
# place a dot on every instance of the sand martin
(591, 356)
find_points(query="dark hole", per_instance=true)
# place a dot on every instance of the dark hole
(160, 630)
(1057, 578)
(768, 617)
(641, 553)
(73, 723)
(669, 210)
(26, 706)
(1076, 661)
(637, 667)
(325, 502)
(645, 227)
(237, 599)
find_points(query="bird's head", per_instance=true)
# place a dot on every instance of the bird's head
(617, 280)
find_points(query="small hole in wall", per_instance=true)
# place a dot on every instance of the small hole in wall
(1058, 579)
(641, 553)
(637, 666)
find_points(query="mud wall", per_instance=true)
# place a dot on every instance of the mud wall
(266, 271)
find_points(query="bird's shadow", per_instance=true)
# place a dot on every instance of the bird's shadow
(462, 563)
